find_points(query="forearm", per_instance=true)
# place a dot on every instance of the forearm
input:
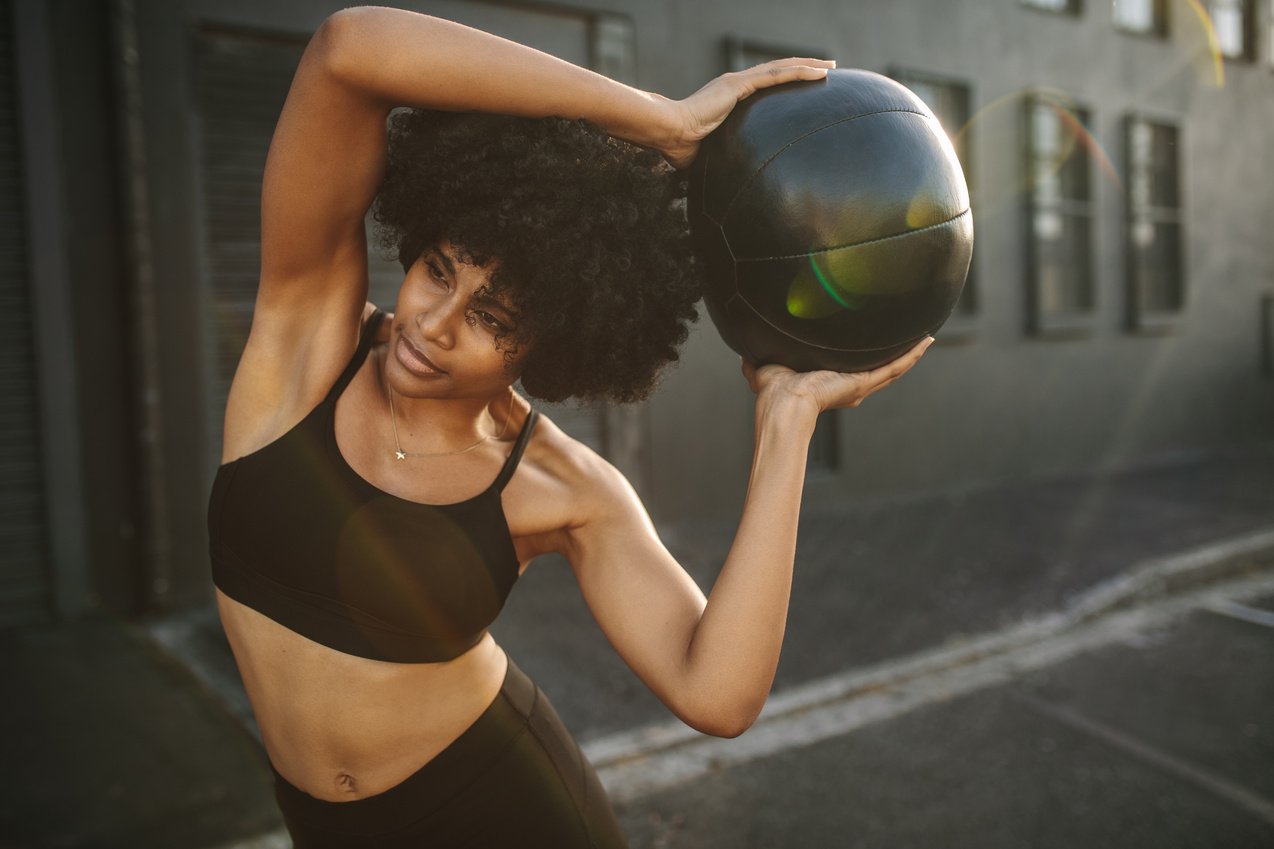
(401, 58)
(734, 652)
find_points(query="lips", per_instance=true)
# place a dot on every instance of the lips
(414, 361)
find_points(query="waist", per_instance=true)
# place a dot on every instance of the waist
(342, 727)
(430, 789)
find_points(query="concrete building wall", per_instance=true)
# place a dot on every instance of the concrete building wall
(999, 403)
(991, 402)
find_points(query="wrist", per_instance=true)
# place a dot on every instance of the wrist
(646, 119)
(788, 411)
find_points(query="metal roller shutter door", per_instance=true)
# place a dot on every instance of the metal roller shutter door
(25, 591)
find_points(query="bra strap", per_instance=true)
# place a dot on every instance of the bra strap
(360, 353)
(518, 447)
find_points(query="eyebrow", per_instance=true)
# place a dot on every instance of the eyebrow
(489, 301)
(446, 260)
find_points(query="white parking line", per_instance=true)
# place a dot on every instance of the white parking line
(1255, 615)
(1193, 773)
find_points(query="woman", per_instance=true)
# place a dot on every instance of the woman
(383, 485)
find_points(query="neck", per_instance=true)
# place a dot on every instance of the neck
(443, 425)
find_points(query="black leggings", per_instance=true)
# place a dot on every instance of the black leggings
(514, 778)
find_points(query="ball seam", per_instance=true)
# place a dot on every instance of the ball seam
(950, 220)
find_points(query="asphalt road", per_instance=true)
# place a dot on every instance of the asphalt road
(1059, 663)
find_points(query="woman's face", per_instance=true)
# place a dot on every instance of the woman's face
(443, 340)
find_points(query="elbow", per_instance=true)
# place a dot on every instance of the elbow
(345, 44)
(330, 45)
(727, 724)
(726, 728)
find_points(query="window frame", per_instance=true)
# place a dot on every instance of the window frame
(1247, 55)
(735, 48)
(1073, 9)
(1081, 322)
(1160, 26)
(1269, 34)
(1141, 319)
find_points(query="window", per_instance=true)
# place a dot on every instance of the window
(1235, 27)
(1269, 33)
(1059, 214)
(1267, 335)
(1154, 240)
(613, 49)
(1065, 7)
(824, 449)
(1149, 17)
(949, 101)
(741, 54)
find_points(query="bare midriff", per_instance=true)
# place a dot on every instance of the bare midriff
(342, 727)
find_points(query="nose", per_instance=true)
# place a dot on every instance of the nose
(437, 324)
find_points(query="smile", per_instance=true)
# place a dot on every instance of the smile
(414, 361)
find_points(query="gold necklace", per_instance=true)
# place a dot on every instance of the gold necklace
(400, 454)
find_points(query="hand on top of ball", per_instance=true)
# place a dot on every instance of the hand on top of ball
(827, 390)
(702, 112)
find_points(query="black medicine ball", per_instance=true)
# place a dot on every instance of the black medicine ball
(833, 220)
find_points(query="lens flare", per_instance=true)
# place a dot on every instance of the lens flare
(812, 295)
(996, 131)
(1076, 134)
(1204, 17)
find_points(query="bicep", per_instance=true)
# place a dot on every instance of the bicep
(644, 601)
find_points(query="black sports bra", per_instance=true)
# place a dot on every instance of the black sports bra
(296, 534)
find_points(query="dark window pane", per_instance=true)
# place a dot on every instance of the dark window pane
(1163, 191)
(1156, 264)
(1061, 263)
(824, 452)
(1060, 153)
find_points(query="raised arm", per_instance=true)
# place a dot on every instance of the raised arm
(712, 662)
(327, 155)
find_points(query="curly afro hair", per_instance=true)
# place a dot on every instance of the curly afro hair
(588, 234)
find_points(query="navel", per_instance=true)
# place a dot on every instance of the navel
(346, 783)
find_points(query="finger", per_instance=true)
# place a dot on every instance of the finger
(749, 373)
(799, 60)
(897, 368)
(764, 76)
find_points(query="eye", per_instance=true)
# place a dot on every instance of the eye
(490, 321)
(435, 271)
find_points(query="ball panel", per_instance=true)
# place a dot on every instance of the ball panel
(849, 183)
(712, 250)
(755, 338)
(867, 296)
(764, 123)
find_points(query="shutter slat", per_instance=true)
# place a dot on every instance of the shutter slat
(25, 592)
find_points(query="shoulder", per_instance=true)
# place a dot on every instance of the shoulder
(566, 485)
(582, 475)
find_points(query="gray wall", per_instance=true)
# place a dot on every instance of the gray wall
(999, 404)
(990, 403)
